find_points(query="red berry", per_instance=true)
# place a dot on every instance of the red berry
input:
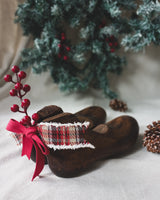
(110, 44)
(22, 122)
(18, 86)
(63, 37)
(26, 88)
(112, 50)
(25, 103)
(22, 74)
(65, 58)
(35, 117)
(68, 48)
(15, 69)
(13, 92)
(26, 120)
(8, 78)
(112, 37)
(59, 45)
(14, 108)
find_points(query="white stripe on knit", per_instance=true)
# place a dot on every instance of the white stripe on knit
(72, 147)
(66, 124)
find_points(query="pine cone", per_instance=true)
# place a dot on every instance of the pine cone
(118, 105)
(152, 137)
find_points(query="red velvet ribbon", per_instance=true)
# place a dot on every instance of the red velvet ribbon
(29, 139)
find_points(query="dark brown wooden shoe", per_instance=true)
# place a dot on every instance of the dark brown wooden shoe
(113, 138)
(94, 115)
(48, 111)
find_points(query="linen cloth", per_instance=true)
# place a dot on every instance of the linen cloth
(135, 175)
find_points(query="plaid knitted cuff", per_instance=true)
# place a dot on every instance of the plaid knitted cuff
(62, 136)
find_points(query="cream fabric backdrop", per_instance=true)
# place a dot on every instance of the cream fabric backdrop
(132, 176)
(11, 40)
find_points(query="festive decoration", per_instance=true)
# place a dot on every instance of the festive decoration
(79, 47)
(118, 105)
(86, 145)
(20, 91)
(110, 139)
(30, 138)
(145, 25)
(41, 136)
(151, 138)
(61, 136)
(63, 49)
(25, 130)
(113, 43)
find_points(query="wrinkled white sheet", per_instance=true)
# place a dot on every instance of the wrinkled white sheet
(131, 176)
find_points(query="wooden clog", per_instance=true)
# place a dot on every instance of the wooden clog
(49, 111)
(113, 138)
(93, 114)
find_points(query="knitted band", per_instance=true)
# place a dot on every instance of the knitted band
(62, 136)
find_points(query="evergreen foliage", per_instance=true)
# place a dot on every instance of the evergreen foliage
(145, 25)
(78, 41)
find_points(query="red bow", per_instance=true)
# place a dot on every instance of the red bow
(30, 138)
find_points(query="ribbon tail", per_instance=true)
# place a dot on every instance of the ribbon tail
(40, 160)
(27, 147)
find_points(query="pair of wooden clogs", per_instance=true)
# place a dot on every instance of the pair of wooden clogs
(110, 139)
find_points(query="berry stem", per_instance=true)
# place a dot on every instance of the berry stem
(13, 82)
(23, 94)
(25, 111)
(20, 96)
(21, 111)
(18, 78)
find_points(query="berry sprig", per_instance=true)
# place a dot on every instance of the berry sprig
(63, 48)
(112, 42)
(20, 91)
